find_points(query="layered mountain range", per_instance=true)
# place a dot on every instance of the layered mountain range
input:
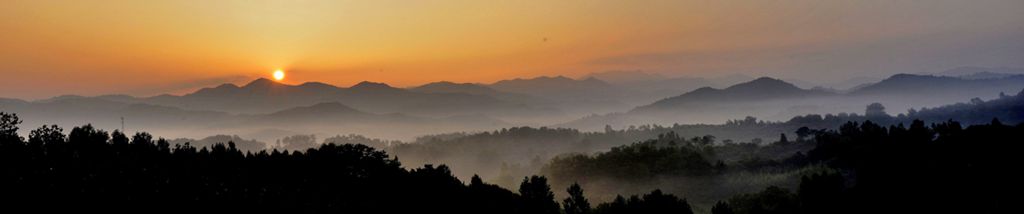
(268, 109)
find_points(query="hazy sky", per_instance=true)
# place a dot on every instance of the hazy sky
(149, 47)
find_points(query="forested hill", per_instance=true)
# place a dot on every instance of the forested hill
(91, 170)
(901, 168)
(861, 167)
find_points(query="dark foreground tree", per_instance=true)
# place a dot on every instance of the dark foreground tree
(537, 196)
(721, 208)
(655, 202)
(576, 203)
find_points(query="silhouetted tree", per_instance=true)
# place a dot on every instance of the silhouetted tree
(9, 127)
(118, 138)
(721, 208)
(875, 110)
(802, 133)
(821, 193)
(654, 202)
(51, 134)
(88, 135)
(576, 203)
(537, 196)
(773, 200)
(916, 168)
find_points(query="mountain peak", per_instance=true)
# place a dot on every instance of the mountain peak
(559, 77)
(317, 86)
(226, 86)
(549, 78)
(444, 83)
(367, 85)
(764, 83)
(261, 83)
(768, 79)
(758, 89)
(452, 87)
(908, 76)
(447, 84)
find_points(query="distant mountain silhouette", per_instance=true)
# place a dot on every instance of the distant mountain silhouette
(972, 72)
(337, 116)
(451, 87)
(769, 97)
(479, 89)
(763, 88)
(987, 75)
(640, 88)
(265, 96)
(534, 101)
(707, 105)
(931, 85)
(573, 96)
(558, 87)
(368, 87)
(328, 117)
(69, 111)
(626, 77)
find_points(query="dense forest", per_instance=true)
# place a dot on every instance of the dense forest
(502, 156)
(93, 170)
(870, 167)
(701, 168)
(858, 168)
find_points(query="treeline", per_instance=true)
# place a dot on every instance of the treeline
(91, 170)
(944, 168)
(503, 155)
(941, 168)
(916, 168)
(1008, 108)
(668, 155)
(700, 168)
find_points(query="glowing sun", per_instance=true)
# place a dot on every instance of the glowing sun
(279, 75)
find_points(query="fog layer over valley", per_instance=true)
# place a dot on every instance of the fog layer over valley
(774, 137)
(498, 132)
(266, 110)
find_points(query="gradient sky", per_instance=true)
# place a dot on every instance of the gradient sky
(50, 48)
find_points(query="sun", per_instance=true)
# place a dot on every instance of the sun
(278, 75)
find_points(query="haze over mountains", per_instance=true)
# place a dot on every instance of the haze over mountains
(267, 110)
(777, 100)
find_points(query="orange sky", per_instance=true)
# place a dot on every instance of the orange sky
(152, 47)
